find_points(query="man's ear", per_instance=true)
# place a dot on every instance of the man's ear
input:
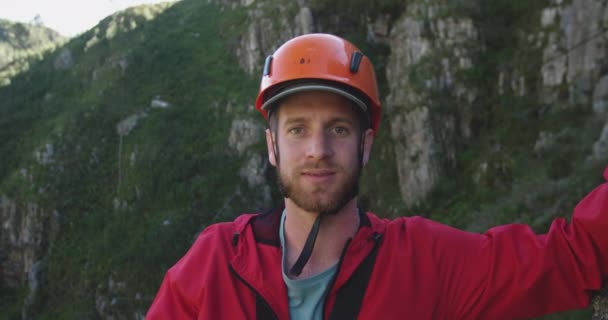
(270, 146)
(367, 145)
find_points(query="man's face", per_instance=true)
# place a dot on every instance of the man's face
(318, 138)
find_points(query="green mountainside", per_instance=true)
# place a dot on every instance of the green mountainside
(21, 44)
(128, 184)
(121, 145)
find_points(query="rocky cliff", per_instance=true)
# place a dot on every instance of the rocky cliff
(121, 145)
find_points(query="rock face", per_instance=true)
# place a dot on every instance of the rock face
(600, 306)
(22, 232)
(64, 60)
(429, 104)
(575, 59)
(23, 240)
(244, 134)
(271, 24)
(575, 54)
(600, 96)
(426, 59)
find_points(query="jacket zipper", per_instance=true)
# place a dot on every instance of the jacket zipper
(375, 237)
(335, 277)
(254, 291)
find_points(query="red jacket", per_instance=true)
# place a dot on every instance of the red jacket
(423, 269)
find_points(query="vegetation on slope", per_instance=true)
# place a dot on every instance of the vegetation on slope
(176, 171)
(22, 44)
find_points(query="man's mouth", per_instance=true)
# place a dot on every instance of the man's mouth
(318, 175)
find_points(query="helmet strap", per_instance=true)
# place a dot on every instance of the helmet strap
(275, 147)
(309, 245)
(361, 149)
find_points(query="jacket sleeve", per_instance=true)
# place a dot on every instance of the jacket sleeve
(511, 273)
(171, 302)
(183, 286)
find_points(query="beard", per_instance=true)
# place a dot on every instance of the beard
(309, 200)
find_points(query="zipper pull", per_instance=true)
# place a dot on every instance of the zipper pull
(375, 237)
(235, 239)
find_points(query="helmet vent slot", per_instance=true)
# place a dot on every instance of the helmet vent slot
(355, 61)
(267, 65)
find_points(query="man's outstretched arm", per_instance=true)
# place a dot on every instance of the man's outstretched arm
(511, 273)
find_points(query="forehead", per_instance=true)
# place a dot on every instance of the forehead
(312, 105)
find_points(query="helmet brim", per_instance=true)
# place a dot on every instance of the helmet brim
(269, 104)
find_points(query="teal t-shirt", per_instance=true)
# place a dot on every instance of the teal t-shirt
(306, 296)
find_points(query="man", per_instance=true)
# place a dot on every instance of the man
(319, 257)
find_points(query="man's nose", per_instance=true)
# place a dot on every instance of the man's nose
(320, 146)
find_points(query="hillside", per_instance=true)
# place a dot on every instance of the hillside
(21, 44)
(119, 146)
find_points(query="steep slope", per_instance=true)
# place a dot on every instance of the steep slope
(115, 159)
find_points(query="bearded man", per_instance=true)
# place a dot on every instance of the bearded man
(320, 257)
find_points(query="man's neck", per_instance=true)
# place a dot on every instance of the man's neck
(334, 232)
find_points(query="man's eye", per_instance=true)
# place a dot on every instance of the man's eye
(296, 131)
(341, 131)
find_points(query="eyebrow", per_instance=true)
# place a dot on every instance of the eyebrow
(331, 121)
(294, 120)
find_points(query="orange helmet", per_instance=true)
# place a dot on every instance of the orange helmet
(320, 62)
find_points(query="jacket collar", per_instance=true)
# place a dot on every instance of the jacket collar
(266, 226)
(258, 255)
